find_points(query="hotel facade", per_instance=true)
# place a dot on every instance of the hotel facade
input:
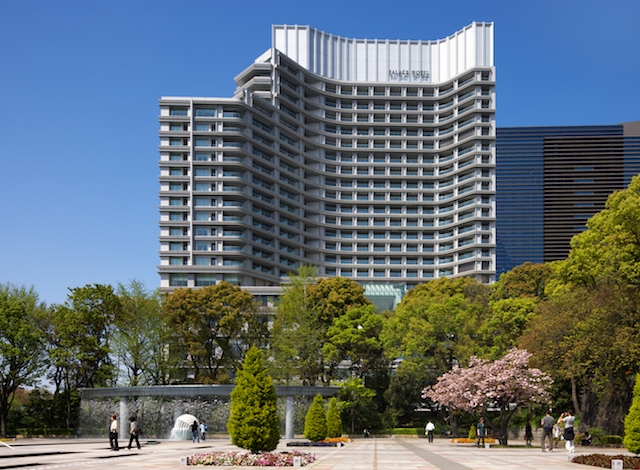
(370, 159)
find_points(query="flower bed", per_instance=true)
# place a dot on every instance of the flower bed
(465, 440)
(247, 459)
(604, 461)
(312, 444)
(337, 439)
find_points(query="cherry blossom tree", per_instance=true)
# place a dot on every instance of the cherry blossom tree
(502, 385)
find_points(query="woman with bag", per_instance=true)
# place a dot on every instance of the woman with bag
(569, 435)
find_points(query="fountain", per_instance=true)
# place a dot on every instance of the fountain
(182, 428)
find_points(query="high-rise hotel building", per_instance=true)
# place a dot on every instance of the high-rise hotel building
(370, 159)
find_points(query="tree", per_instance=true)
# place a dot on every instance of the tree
(355, 397)
(315, 422)
(403, 394)
(526, 280)
(589, 337)
(296, 341)
(355, 337)
(437, 324)
(611, 244)
(334, 422)
(22, 344)
(253, 423)
(306, 311)
(140, 336)
(79, 336)
(632, 422)
(505, 323)
(208, 325)
(505, 384)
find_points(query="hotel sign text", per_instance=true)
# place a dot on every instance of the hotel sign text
(409, 75)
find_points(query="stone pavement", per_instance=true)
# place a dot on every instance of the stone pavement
(362, 454)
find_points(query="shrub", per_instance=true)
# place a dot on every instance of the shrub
(632, 422)
(253, 423)
(597, 435)
(334, 422)
(611, 440)
(407, 431)
(315, 423)
(472, 432)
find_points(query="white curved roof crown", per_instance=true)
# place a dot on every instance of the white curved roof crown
(384, 60)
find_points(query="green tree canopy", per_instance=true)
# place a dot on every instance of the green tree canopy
(355, 399)
(208, 325)
(253, 423)
(141, 336)
(355, 337)
(610, 247)
(526, 280)
(590, 337)
(79, 340)
(307, 309)
(437, 323)
(22, 344)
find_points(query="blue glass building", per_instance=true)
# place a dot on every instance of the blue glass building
(551, 180)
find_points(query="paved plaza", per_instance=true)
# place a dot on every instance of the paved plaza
(362, 454)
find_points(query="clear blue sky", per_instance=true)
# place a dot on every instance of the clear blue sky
(80, 83)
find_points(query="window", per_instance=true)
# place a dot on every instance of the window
(203, 172)
(202, 261)
(178, 280)
(202, 231)
(205, 112)
(205, 279)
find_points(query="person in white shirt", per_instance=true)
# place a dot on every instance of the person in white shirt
(113, 433)
(429, 428)
(568, 419)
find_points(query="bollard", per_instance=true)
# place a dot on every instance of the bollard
(616, 464)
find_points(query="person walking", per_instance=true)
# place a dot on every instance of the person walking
(430, 428)
(568, 419)
(481, 431)
(113, 433)
(547, 430)
(203, 431)
(528, 433)
(134, 432)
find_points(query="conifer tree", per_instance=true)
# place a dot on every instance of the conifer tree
(632, 422)
(253, 423)
(315, 423)
(334, 421)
